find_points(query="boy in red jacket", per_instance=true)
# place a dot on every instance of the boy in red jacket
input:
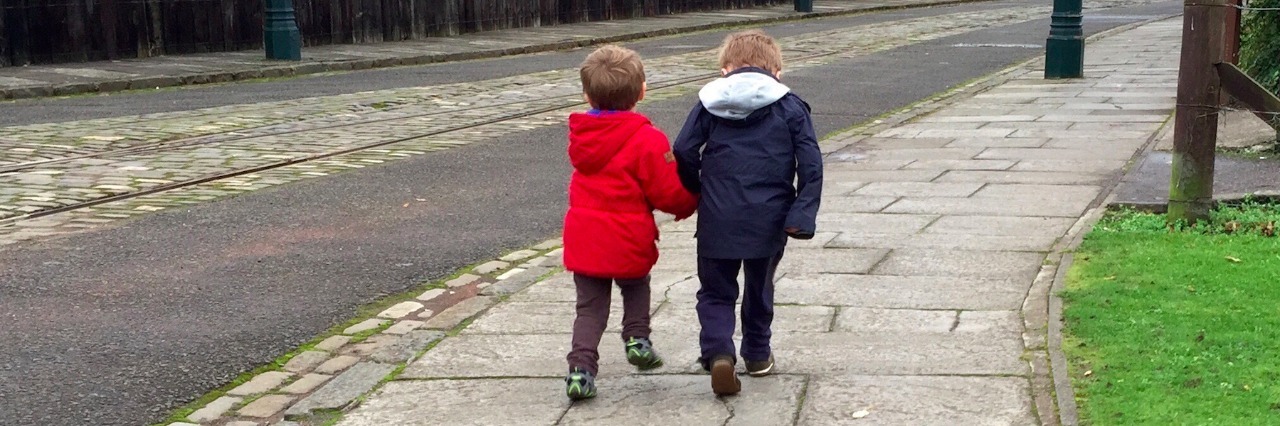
(623, 170)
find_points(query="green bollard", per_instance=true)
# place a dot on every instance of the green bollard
(1064, 52)
(280, 35)
(805, 6)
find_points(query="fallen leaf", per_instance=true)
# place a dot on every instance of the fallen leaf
(1269, 230)
(1088, 373)
(1233, 259)
(861, 414)
(405, 205)
(1231, 227)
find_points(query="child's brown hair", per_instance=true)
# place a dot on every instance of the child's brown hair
(751, 48)
(613, 78)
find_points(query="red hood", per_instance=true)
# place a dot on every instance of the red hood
(595, 139)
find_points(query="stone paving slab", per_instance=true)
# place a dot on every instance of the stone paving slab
(837, 261)
(429, 402)
(178, 70)
(963, 264)
(887, 291)
(1001, 225)
(685, 400)
(1035, 243)
(899, 353)
(918, 400)
(536, 355)
(1009, 206)
(919, 189)
(1027, 177)
(926, 321)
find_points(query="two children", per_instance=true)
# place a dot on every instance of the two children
(742, 148)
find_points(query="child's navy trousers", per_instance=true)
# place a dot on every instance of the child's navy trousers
(719, 295)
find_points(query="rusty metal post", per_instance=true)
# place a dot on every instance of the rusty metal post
(1196, 123)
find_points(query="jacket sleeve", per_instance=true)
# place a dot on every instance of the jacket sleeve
(688, 148)
(804, 212)
(659, 180)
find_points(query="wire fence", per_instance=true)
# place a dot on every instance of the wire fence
(43, 31)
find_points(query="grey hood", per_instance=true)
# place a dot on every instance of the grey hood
(735, 97)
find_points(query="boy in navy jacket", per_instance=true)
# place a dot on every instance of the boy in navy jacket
(742, 148)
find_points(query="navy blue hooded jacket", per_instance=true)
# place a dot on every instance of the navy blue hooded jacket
(743, 146)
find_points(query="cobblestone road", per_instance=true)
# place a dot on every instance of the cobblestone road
(50, 166)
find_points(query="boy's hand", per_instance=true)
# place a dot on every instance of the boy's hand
(796, 233)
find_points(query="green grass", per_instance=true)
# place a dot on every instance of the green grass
(1177, 325)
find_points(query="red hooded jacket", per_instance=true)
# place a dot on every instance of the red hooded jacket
(623, 170)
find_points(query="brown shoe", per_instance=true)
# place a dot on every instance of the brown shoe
(724, 380)
(760, 368)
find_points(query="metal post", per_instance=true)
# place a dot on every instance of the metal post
(1195, 128)
(280, 35)
(1064, 52)
(805, 6)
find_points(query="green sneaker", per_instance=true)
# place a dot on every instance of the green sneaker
(580, 385)
(640, 353)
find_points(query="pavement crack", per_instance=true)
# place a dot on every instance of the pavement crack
(835, 317)
(563, 414)
(800, 399)
(728, 406)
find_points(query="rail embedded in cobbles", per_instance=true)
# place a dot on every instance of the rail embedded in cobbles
(94, 172)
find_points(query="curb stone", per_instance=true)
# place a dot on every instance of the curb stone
(1068, 412)
(342, 390)
(225, 76)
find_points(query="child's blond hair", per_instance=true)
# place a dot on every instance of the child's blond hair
(613, 78)
(751, 48)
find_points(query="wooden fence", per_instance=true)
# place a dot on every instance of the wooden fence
(52, 31)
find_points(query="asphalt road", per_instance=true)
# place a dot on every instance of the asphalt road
(118, 327)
